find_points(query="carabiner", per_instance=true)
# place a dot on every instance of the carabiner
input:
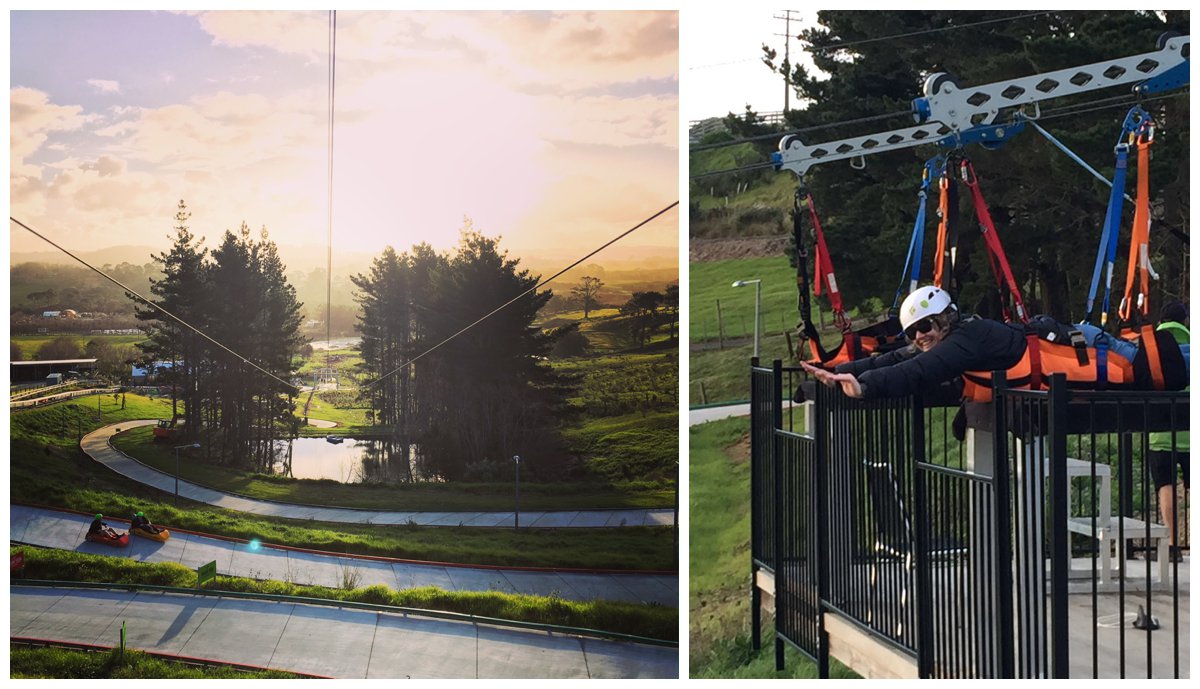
(972, 179)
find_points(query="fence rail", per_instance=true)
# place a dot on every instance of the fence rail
(962, 556)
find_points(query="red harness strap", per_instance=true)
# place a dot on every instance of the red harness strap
(824, 270)
(1000, 267)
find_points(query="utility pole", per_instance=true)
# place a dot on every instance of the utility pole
(787, 62)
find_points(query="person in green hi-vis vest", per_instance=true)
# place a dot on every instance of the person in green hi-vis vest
(1163, 456)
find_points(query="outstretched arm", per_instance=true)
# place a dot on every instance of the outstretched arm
(850, 385)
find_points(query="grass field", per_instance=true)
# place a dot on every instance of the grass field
(654, 621)
(718, 584)
(46, 468)
(29, 344)
(341, 407)
(58, 663)
(773, 189)
(711, 282)
(420, 497)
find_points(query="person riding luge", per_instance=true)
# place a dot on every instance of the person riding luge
(100, 532)
(141, 526)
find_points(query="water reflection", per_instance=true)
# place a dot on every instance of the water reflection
(356, 460)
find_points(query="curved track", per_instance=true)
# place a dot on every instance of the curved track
(65, 530)
(324, 640)
(98, 446)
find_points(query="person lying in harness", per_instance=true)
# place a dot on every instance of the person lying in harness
(946, 345)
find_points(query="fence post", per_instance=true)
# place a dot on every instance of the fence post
(755, 505)
(819, 428)
(720, 328)
(777, 479)
(1059, 538)
(1003, 531)
(921, 511)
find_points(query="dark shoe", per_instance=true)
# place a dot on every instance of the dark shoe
(1176, 554)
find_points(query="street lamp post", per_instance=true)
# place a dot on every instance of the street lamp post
(517, 513)
(192, 446)
(757, 301)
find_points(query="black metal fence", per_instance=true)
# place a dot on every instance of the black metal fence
(965, 556)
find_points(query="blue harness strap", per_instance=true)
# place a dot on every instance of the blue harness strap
(1106, 253)
(911, 275)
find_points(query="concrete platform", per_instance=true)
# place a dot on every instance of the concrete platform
(324, 640)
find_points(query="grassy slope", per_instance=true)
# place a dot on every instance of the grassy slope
(711, 282)
(718, 588)
(58, 663)
(46, 468)
(29, 344)
(629, 618)
(428, 497)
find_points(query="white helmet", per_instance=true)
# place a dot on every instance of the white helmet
(922, 303)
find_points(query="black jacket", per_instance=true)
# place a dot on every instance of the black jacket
(973, 344)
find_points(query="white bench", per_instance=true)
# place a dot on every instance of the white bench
(1106, 529)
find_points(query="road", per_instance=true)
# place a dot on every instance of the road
(97, 445)
(65, 530)
(325, 640)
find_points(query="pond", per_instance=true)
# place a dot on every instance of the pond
(354, 460)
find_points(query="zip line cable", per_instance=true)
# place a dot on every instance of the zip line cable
(813, 128)
(403, 366)
(1064, 111)
(496, 310)
(182, 322)
(329, 198)
(839, 46)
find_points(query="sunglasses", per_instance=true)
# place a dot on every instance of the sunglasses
(922, 326)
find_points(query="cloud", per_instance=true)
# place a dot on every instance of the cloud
(32, 119)
(104, 85)
(106, 166)
(613, 121)
(571, 49)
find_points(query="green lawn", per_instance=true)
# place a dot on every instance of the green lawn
(653, 621)
(29, 344)
(59, 663)
(718, 580)
(711, 282)
(332, 407)
(46, 468)
(422, 497)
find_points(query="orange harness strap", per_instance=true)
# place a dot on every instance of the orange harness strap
(943, 228)
(1150, 344)
(1139, 245)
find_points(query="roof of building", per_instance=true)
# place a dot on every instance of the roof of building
(53, 361)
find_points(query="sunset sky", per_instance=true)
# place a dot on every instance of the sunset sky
(555, 130)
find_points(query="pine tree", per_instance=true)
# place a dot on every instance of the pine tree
(179, 292)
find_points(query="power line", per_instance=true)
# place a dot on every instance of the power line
(329, 194)
(813, 128)
(838, 46)
(496, 310)
(724, 64)
(129, 290)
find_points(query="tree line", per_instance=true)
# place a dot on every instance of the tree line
(237, 294)
(462, 404)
